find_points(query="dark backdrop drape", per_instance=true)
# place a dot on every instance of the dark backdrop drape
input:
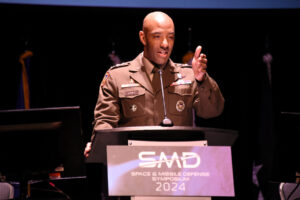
(70, 48)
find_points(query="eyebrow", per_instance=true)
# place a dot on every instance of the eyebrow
(158, 32)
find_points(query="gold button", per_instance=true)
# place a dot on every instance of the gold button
(133, 108)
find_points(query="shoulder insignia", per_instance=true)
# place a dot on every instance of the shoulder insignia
(183, 65)
(120, 65)
(106, 76)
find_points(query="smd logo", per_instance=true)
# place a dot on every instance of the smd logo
(150, 159)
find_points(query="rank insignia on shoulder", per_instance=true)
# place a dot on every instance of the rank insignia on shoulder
(105, 79)
(120, 65)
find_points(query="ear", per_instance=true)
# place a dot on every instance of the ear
(142, 37)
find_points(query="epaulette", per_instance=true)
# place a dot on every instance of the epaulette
(120, 65)
(183, 65)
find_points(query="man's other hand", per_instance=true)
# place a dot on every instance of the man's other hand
(87, 149)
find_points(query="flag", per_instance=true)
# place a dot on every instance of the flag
(114, 58)
(188, 57)
(23, 101)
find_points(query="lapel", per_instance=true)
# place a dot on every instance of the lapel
(170, 74)
(138, 73)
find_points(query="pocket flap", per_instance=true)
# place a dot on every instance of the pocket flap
(181, 90)
(131, 92)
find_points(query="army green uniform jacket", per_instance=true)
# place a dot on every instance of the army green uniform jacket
(127, 96)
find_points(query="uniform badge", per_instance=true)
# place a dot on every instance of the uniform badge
(105, 79)
(131, 93)
(181, 82)
(133, 108)
(180, 106)
(129, 85)
(179, 76)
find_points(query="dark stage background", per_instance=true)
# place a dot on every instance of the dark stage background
(71, 47)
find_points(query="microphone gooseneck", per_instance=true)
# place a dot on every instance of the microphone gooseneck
(166, 121)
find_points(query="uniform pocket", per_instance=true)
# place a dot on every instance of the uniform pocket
(181, 90)
(133, 101)
(179, 99)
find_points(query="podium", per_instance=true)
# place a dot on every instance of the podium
(177, 162)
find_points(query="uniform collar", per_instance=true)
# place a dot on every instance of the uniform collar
(138, 63)
(139, 74)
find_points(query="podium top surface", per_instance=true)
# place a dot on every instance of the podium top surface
(161, 128)
(121, 135)
(215, 136)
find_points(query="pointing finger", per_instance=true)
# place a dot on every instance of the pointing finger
(198, 51)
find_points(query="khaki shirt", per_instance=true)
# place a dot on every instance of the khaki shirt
(128, 98)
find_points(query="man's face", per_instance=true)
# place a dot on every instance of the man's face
(158, 39)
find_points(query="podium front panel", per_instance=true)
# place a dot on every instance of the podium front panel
(169, 171)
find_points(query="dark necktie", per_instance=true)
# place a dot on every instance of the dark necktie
(156, 79)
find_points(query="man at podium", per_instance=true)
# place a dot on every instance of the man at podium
(152, 89)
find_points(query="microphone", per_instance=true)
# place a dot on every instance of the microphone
(166, 121)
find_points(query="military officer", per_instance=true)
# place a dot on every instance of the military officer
(130, 93)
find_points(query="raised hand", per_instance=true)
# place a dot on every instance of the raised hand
(199, 64)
